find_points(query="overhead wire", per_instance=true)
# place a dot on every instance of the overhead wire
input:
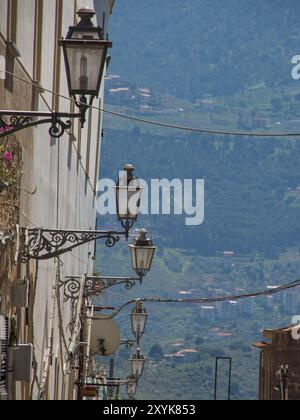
(158, 123)
(267, 292)
(32, 330)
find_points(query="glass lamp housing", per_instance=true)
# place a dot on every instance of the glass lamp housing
(85, 52)
(142, 253)
(128, 196)
(137, 364)
(138, 322)
(131, 387)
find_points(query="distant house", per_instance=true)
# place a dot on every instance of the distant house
(264, 123)
(189, 354)
(233, 309)
(228, 260)
(247, 306)
(207, 313)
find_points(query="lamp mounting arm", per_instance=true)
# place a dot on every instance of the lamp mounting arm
(45, 244)
(94, 285)
(13, 121)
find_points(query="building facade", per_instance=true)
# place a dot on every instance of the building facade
(279, 365)
(52, 184)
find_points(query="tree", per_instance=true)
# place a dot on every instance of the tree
(199, 341)
(156, 352)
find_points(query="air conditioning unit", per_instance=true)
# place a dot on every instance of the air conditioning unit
(22, 363)
(20, 294)
(3, 395)
(3, 328)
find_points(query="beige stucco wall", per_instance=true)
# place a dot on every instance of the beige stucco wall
(3, 17)
(65, 196)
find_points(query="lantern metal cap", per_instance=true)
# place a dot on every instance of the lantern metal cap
(143, 234)
(86, 15)
(139, 354)
(139, 308)
(142, 239)
(129, 169)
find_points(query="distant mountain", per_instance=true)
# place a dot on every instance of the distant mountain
(222, 64)
(195, 47)
(252, 190)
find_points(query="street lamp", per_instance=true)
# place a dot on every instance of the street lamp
(139, 320)
(142, 252)
(128, 197)
(137, 364)
(85, 53)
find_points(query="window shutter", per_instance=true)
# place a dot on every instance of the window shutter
(3, 357)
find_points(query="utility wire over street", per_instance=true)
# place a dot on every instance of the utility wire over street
(198, 301)
(163, 124)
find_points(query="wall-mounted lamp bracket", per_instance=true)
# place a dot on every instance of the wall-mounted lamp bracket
(94, 286)
(13, 121)
(45, 244)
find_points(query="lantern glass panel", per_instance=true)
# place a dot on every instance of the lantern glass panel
(85, 63)
(131, 387)
(137, 366)
(129, 200)
(142, 257)
(138, 321)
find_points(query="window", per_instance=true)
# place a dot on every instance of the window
(12, 51)
(98, 150)
(56, 380)
(37, 57)
(72, 105)
(57, 54)
(12, 23)
(88, 146)
(2, 67)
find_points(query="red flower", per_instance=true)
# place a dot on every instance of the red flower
(8, 156)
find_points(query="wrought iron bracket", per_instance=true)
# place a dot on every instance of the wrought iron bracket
(128, 225)
(13, 121)
(94, 286)
(45, 244)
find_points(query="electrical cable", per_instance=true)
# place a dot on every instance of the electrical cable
(49, 348)
(31, 326)
(161, 124)
(59, 309)
(268, 292)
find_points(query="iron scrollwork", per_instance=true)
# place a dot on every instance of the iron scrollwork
(94, 286)
(14, 124)
(71, 289)
(14, 121)
(45, 244)
(58, 128)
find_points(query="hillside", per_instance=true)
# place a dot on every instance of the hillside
(198, 47)
(252, 201)
(176, 327)
(222, 65)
